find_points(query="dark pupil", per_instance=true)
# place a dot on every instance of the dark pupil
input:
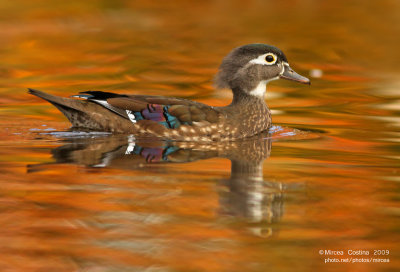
(269, 58)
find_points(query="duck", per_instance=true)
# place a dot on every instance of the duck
(246, 70)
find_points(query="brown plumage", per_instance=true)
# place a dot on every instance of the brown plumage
(246, 70)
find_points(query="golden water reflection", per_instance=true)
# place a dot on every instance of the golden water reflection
(143, 219)
(245, 194)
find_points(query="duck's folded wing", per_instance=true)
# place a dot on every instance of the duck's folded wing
(169, 112)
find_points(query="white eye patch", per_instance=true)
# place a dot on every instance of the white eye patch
(265, 59)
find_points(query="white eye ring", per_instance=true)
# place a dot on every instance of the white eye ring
(262, 59)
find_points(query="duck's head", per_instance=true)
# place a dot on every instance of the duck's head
(250, 67)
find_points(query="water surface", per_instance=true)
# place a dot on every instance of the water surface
(325, 178)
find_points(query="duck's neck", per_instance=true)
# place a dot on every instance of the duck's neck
(254, 96)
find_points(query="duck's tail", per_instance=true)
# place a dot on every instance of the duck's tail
(68, 106)
(57, 100)
(77, 111)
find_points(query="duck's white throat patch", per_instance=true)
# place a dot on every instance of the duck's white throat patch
(261, 88)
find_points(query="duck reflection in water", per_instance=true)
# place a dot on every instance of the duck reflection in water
(246, 194)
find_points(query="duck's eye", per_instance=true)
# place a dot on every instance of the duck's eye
(270, 58)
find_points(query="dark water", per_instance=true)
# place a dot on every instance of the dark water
(325, 178)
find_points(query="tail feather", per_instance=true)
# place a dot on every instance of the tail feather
(73, 109)
(57, 100)
(86, 114)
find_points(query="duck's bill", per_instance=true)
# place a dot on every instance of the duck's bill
(289, 74)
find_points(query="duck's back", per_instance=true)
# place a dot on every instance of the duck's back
(165, 117)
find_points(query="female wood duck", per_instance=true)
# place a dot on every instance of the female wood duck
(246, 70)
